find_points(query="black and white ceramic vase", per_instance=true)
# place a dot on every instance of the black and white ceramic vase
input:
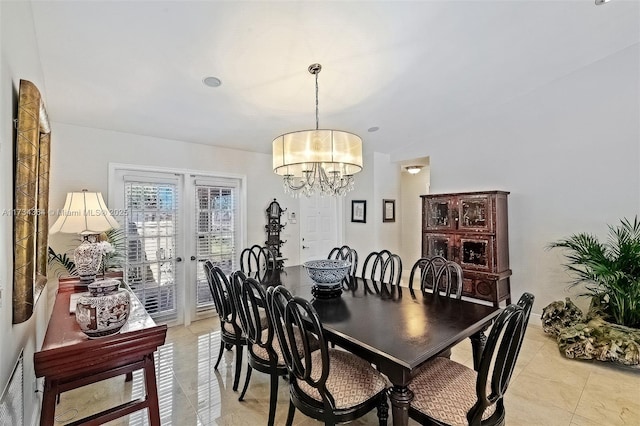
(104, 310)
(87, 257)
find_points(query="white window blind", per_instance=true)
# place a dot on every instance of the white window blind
(151, 231)
(216, 231)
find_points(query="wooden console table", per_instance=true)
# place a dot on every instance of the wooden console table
(69, 359)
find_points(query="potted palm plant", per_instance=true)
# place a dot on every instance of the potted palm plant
(609, 271)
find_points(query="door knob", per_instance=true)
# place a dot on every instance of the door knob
(193, 258)
(178, 259)
(304, 247)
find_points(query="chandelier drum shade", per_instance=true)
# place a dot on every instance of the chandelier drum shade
(85, 213)
(319, 160)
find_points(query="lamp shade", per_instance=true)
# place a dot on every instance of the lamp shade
(84, 213)
(297, 152)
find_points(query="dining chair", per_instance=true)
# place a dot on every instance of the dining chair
(345, 253)
(382, 266)
(329, 385)
(262, 354)
(438, 276)
(448, 393)
(231, 334)
(257, 262)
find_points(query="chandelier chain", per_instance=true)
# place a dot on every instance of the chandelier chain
(317, 120)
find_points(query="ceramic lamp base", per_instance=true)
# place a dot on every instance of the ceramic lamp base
(87, 257)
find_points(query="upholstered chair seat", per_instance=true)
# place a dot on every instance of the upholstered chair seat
(228, 327)
(329, 385)
(351, 379)
(447, 392)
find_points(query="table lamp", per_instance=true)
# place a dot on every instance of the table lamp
(85, 213)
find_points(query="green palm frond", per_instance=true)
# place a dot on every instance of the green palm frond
(609, 271)
(60, 263)
(116, 238)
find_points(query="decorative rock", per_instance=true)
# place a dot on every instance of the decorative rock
(560, 315)
(590, 336)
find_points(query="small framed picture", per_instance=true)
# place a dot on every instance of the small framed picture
(388, 210)
(359, 211)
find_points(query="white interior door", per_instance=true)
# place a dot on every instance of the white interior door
(319, 222)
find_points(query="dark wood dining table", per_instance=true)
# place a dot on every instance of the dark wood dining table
(394, 328)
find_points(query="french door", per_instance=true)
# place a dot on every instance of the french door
(173, 222)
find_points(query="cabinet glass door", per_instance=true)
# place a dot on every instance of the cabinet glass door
(475, 253)
(475, 213)
(437, 245)
(439, 214)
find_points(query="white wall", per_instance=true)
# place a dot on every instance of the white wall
(378, 180)
(19, 60)
(569, 153)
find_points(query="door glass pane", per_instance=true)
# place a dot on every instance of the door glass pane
(216, 226)
(150, 241)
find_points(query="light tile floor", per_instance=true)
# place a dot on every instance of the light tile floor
(546, 388)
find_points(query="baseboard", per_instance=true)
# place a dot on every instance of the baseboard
(535, 319)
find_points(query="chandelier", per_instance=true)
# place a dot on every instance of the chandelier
(320, 160)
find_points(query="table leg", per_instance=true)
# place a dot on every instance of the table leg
(48, 403)
(152, 390)
(478, 341)
(400, 397)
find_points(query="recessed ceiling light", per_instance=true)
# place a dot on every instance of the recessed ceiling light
(212, 81)
(373, 129)
(599, 2)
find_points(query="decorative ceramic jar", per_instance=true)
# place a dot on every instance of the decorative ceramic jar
(104, 310)
(327, 274)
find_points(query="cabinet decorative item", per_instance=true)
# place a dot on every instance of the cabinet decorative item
(471, 229)
(273, 228)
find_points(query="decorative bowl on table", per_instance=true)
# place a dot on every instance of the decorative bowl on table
(327, 274)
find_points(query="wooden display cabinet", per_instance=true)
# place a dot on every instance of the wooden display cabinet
(471, 229)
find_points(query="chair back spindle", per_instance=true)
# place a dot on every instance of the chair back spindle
(345, 253)
(257, 262)
(438, 276)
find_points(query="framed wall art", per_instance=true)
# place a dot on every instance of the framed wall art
(30, 201)
(388, 210)
(359, 211)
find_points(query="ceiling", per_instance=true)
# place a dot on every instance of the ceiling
(409, 68)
